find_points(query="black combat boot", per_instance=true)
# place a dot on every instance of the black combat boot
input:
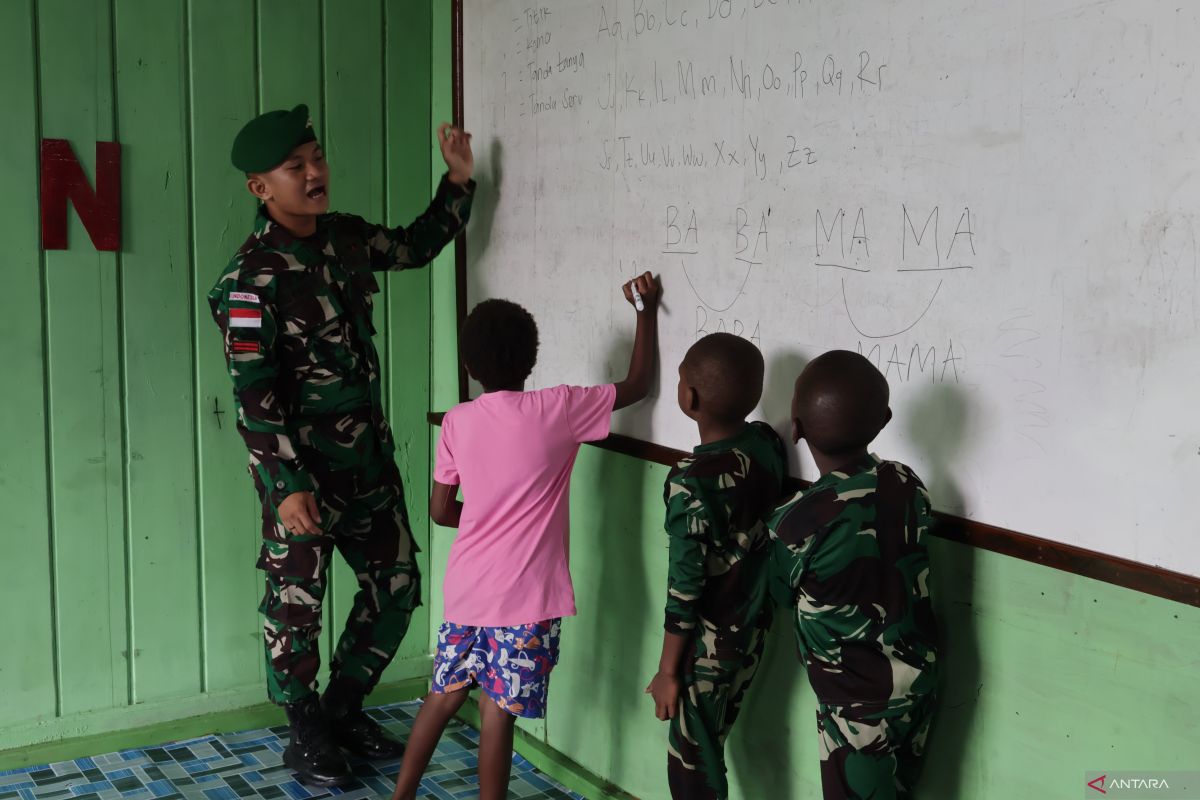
(351, 727)
(311, 752)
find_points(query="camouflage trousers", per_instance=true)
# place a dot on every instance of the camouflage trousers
(365, 519)
(716, 678)
(872, 752)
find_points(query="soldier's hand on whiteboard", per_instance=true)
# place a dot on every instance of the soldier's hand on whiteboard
(456, 152)
(644, 287)
(299, 513)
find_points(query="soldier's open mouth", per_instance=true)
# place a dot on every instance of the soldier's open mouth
(317, 193)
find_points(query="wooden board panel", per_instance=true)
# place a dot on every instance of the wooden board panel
(289, 55)
(223, 90)
(86, 436)
(27, 668)
(159, 403)
(406, 371)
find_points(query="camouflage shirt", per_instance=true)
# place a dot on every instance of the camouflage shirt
(719, 549)
(296, 319)
(850, 553)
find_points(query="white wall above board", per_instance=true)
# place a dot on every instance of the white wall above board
(996, 202)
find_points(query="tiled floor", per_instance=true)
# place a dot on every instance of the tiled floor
(248, 765)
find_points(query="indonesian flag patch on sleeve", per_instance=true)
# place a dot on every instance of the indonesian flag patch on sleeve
(245, 317)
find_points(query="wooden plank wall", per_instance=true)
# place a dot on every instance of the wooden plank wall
(130, 593)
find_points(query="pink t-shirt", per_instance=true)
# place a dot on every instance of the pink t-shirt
(513, 452)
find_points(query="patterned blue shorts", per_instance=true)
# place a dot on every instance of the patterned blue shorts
(511, 664)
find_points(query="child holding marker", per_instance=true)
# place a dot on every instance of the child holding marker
(507, 583)
(717, 611)
(850, 557)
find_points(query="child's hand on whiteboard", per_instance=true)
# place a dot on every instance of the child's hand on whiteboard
(456, 152)
(642, 292)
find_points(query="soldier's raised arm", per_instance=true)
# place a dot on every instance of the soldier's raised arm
(418, 243)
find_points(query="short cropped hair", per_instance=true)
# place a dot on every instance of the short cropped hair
(727, 373)
(499, 344)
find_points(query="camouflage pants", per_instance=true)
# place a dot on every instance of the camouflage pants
(365, 519)
(872, 753)
(715, 682)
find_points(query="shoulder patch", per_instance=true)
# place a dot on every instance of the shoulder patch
(245, 318)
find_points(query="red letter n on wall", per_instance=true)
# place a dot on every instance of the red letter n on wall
(63, 180)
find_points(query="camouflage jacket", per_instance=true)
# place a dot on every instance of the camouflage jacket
(717, 500)
(295, 315)
(850, 554)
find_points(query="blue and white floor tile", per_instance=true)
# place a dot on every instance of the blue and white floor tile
(248, 765)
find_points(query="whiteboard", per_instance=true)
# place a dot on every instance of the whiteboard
(996, 202)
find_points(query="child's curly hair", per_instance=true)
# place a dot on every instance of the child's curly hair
(499, 344)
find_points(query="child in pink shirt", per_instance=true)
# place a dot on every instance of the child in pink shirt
(508, 582)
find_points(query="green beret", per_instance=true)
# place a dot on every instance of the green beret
(265, 141)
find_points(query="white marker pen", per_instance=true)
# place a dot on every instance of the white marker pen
(637, 296)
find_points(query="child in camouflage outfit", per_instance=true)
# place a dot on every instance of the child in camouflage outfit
(717, 612)
(850, 557)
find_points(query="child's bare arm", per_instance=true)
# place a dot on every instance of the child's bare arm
(645, 341)
(444, 506)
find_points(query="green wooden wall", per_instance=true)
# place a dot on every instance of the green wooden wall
(129, 592)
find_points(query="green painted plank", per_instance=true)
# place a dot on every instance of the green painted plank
(353, 133)
(289, 55)
(408, 324)
(156, 288)
(610, 650)
(75, 55)
(443, 389)
(26, 671)
(223, 90)
(353, 139)
(444, 309)
(1050, 674)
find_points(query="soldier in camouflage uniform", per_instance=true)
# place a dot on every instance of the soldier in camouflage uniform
(850, 557)
(717, 612)
(295, 309)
